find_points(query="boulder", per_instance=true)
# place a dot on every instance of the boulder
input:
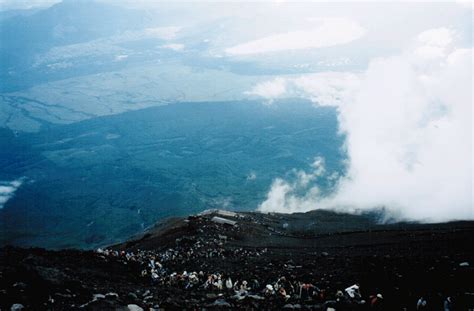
(17, 307)
(111, 296)
(98, 296)
(133, 307)
(132, 296)
(221, 303)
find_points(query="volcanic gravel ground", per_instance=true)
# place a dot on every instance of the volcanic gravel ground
(402, 262)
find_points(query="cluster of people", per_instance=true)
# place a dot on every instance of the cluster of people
(162, 268)
(424, 304)
(282, 289)
(156, 267)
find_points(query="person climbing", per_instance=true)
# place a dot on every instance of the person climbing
(353, 291)
(448, 304)
(228, 284)
(268, 291)
(422, 304)
(255, 284)
(376, 301)
(282, 293)
(243, 286)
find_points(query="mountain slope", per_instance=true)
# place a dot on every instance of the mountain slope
(399, 261)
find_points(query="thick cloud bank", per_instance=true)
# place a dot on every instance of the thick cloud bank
(408, 121)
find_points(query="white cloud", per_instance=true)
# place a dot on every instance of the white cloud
(7, 190)
(325, 88)
(409, 139)
(174, 46)
(468, 4)
(441, 37)
(120, 57)
(332, 31)
(270, 89)
(25, 4)
(430, 52)
(284, 196)
(434, 43)
(165, 33)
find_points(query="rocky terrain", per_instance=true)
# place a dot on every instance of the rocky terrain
(218, 260)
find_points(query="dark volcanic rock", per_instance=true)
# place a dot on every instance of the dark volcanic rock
(201, 263)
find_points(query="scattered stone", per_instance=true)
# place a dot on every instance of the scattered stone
(133, 307)
(132, 296)
(63, 295)
(20, 285)
(98, 296)
(221, 303)
(17, 307)
(211, 296)
(51, 275)
(174, 277)
(256, 297)
(111, 296)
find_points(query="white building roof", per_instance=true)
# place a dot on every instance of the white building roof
(225, 221)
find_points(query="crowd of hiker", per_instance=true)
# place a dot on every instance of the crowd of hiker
(209, 262)
(205, 262)
(286, 292)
